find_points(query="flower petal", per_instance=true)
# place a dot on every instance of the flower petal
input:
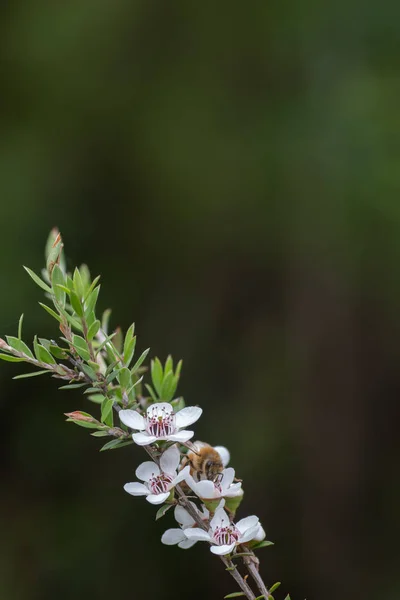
(169, 460)
(194, 533)
(227, 479)
(219, 518)
(159, 409)
(157, 498)
(260, 535)
(181, 476)
(136, 489)
(182, 516)
(146, 470)
(206, 489)
(234, 490)
(180, 436)
(244, 524)
(173, 536)
(143, 439)
(187, 416)
(249, 534)
(221, 550)
(186, 544)
(224, 454)
(132, 419)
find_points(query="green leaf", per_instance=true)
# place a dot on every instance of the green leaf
(235, 595)
(129, 335)
(105, 320)
(104, 342)
(262, 597)
(57, 351)
(178, 404)
(129, 351)
(21, 320)
(51, 312)
(92, 300)
(115, 444)
(9, 358)
(163, 510)
(89, 372)
(38, 281)
(19, 345)
(106, 409)
(287, 597)
(90, 290)
(139, 361)
(94, 365)
(151, 392)
(100, 434)
(274, 587)
(85, 424)
(93, 330)
(78, 283)
(81, 347)
(75, 324)
(42, 354)
(34, 374)
(76, 304)
(58, 283)
(72, 386)
(157, 375)
(96, 398)
(262, 545)
(168, 387)
(124, 378)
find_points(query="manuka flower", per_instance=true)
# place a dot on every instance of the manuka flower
(161, 423)
(223, 535)
(158, 481)
(177, 536)
(221, 487)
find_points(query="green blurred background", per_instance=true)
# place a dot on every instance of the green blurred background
(232, 172)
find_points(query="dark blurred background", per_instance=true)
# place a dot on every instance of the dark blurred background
(232, 172)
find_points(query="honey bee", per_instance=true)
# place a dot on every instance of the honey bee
(206, 462)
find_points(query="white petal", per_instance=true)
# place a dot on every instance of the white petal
(147, 470)
(224, 454)
(143, 439)
(173, 536)
(221, 550)
(181, 476)
(157, 498)
(219, 518)
(159, 409)
(180, 436)
(187, 416)
(249, 534)
(244, 524)
(206, 489)
(132, 419)
(234, 490)
(136, 489)
(227, 479)
(182, 516)
(169, 460)
(197, 534)
(186, 544)
(260, 535)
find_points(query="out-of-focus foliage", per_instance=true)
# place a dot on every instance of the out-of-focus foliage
(232, 171)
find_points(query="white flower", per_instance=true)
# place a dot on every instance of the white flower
(221, 487)
(177, 536)
(260, 534)
(158, 482)
(160, 423)
(224, 535)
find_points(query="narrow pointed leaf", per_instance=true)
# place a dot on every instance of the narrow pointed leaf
(38, 281)
(34, 374)
(19, 345)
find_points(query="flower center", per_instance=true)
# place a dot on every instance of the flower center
(160, 483)
(226, 535)
(160, 423)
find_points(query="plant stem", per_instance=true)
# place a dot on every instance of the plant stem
(251, 563)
